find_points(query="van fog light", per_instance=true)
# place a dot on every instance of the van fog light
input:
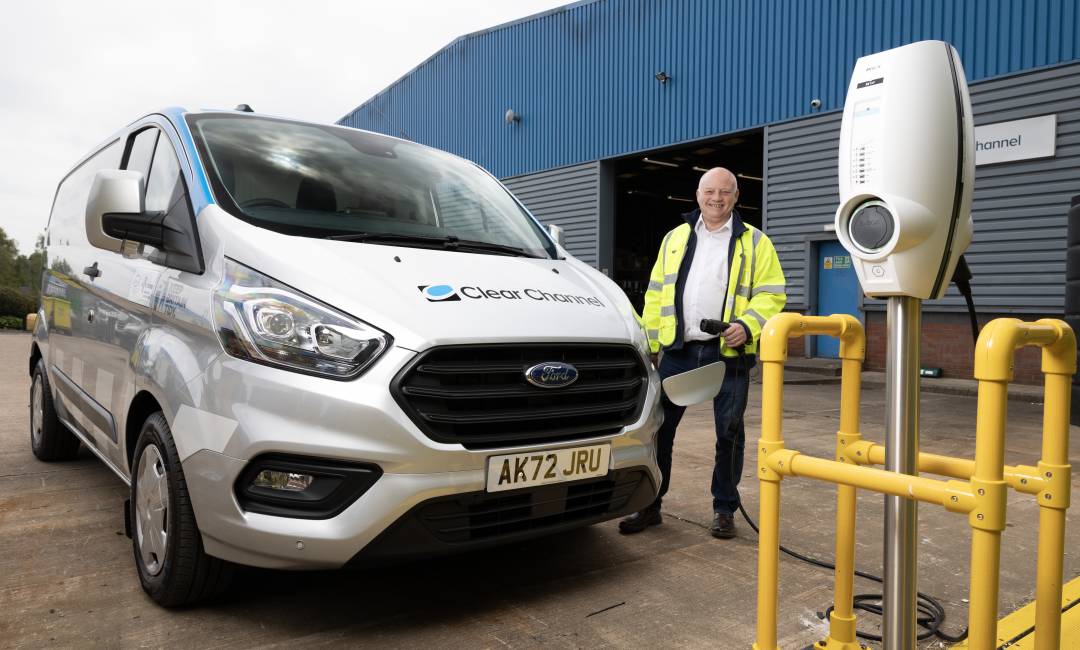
(286, 481)
(287, 485)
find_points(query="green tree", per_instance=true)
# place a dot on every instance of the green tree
(21, 272)
(9, 261)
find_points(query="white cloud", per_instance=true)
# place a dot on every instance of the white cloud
(71, 73)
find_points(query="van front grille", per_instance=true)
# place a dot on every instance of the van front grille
(477, 395)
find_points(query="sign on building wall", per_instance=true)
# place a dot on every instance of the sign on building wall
(1015, 140)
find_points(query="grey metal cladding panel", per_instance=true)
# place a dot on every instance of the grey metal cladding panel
(1020, 208)
(1018, 252)
(801, 197)
(567, 197)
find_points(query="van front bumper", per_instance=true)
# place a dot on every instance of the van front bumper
(405, 516)
(280, 412)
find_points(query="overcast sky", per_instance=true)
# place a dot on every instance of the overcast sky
(73, 72)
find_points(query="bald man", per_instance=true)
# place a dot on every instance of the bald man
(715, 267)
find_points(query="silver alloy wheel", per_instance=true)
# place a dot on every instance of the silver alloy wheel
(152, 509)
(37, 410)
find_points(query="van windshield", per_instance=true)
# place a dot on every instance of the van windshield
(334, 182)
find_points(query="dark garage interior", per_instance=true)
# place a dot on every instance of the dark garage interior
(653, 189)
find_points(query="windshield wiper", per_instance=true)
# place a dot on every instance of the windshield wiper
(388, 238)
(473, 244)
(449, 242)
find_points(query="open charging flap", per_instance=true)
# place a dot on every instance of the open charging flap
(695, 386)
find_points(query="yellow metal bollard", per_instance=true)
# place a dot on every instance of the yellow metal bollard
(981, 496)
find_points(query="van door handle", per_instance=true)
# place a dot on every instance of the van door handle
(92, 271)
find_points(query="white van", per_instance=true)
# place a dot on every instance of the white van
(308, 346)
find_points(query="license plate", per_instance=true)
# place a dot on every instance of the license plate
(515, 471)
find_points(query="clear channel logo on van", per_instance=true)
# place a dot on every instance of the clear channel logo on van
(447, 293)
(439, 292)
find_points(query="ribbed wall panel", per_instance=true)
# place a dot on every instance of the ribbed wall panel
(1018, 252)
(801, 194)
(567, 197)
(581, 76)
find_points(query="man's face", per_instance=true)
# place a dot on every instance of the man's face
(716, 196)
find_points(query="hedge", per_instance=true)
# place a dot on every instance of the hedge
(13, 303)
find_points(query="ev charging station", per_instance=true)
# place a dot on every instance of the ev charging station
(906, 178)
(907, 168)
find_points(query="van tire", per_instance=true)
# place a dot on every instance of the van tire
(186, 575)
(50, 440)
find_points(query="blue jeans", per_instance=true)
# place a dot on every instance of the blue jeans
(728, 407)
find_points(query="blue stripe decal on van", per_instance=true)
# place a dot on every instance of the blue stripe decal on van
(199, 190)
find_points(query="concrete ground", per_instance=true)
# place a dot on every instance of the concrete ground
(67, 578)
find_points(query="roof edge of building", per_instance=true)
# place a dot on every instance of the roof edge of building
(462, 39)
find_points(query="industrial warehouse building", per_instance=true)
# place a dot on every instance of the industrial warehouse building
(601, 115)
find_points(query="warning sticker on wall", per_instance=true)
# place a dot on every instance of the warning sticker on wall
(837, 262)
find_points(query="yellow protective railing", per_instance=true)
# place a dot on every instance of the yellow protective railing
(981, 494)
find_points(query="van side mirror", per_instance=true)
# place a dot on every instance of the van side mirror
(556, 233)
(113, 192)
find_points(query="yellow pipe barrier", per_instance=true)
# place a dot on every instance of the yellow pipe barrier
(982, 496)
(1058, 366)
(774, 341)
(1022, 478)
(842, 618)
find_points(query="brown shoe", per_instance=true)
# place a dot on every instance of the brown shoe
(723, 526)
(640, 520)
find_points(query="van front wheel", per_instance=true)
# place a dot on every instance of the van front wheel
(49, 439)
(173, 567)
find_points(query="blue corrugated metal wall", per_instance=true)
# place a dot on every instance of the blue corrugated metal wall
(582, 79)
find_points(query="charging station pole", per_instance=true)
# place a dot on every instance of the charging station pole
(906, 174)
(901, 455)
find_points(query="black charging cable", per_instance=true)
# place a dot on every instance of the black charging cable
(962, 280)
(931, 613)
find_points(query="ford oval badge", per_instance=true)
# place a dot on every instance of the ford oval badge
(551, 374)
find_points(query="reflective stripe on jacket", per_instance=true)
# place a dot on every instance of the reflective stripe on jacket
(755, 288)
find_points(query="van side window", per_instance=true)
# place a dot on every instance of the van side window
(163, 186)
(68, 218)
(140, 151)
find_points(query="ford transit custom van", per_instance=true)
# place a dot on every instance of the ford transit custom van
(309, 346)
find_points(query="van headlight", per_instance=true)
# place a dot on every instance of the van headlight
(262, 320)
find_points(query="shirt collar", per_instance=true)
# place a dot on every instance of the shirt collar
(702, 231)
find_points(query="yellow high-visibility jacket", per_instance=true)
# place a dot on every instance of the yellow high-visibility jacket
(755, 289)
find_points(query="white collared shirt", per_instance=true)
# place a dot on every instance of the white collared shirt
(706, 284)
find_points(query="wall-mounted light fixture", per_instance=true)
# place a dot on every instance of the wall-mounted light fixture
(662, 77)
(511, 117)
(663, 163)
(699, 169)
(680, 199)
(749, 177)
